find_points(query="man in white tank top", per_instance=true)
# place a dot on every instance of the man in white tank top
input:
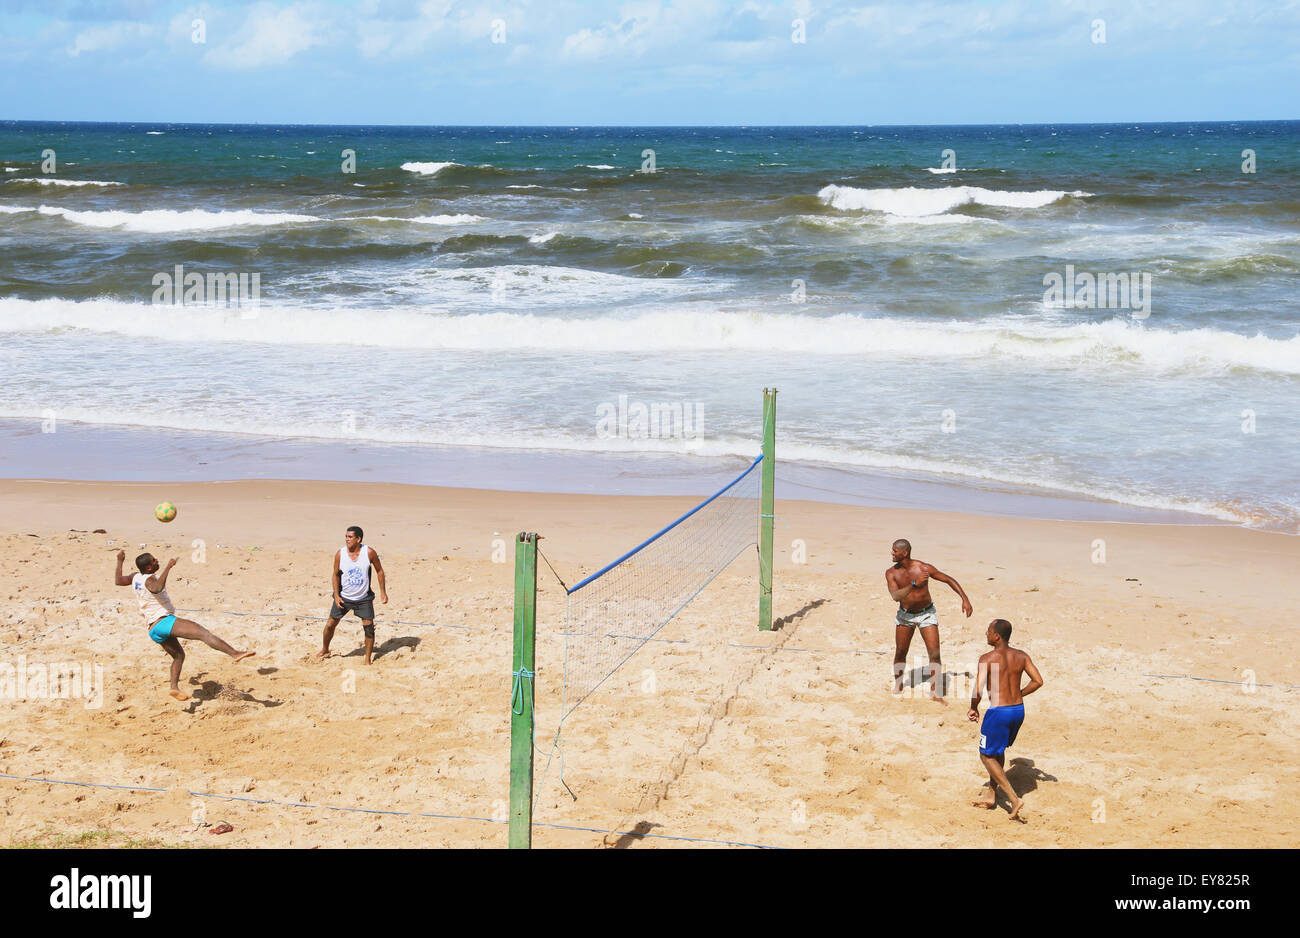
(150, 586)
(350, 579)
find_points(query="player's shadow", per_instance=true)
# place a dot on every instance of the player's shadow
(635, 835)
(386, 647)
(796, 616)
(1024, 776)
(211, 690)
(916, 682)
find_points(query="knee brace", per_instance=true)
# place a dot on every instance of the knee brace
(369, 630)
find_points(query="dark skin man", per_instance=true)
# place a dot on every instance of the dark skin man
(165, 628)
(1000, 670)
(363, 608)
(908, 581)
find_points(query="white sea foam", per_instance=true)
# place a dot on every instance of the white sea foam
(529, 287)
(15, 209)
(542, 239)
(1121, 494)
(427, 169)
(944, 219)
(873, 227)
(163, 220)
(528, 186)
(1108, 345)
(154, 133)
(448, 219)
(427, 219)
(597, 166)
(941, 170)
(51, 181)
(477, 433)
(913, 202)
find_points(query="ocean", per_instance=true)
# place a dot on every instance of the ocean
(1100, 316)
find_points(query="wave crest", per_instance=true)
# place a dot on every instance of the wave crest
(914, 202)
(427, 169)
(166, 220)
(1105, 345)
(63, 182)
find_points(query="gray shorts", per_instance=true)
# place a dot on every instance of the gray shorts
(919, 619)
(363, 608)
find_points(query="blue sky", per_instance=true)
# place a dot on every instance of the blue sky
(648, 61)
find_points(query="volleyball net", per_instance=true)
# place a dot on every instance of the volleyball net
(611, 614)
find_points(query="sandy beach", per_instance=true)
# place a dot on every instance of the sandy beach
(718, 732)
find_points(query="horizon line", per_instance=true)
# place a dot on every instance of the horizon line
(563, 126)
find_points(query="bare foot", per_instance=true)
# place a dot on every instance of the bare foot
(989, 801)
(1015, 811)
(323, 653)
(177, 695)
(937, 699)
(244, 654)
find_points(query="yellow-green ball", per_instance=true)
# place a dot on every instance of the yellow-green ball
(165, 512)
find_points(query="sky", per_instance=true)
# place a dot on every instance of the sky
(648, 62)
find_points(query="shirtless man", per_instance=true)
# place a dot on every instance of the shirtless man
(908, 581)
(350, 579)
(160, 615)
(1000, 670)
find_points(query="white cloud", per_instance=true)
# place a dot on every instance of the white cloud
(269, 37)
(642, 26)
(109, 36)
(442, 24)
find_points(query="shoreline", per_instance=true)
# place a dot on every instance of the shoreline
(165, 457)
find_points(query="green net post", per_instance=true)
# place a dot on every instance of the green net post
(767, 503)
(521, 695)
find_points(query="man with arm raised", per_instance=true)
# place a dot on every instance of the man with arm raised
(150, 586)
(908, 581)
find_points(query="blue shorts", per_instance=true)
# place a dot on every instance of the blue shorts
(161, 630)
(999, 729)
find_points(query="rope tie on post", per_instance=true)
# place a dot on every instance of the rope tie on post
(517, 691)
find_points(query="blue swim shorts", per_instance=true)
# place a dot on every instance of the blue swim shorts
(999, 729)
(161, 630)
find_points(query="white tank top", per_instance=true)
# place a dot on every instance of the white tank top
(355, 577)
(153, 606)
